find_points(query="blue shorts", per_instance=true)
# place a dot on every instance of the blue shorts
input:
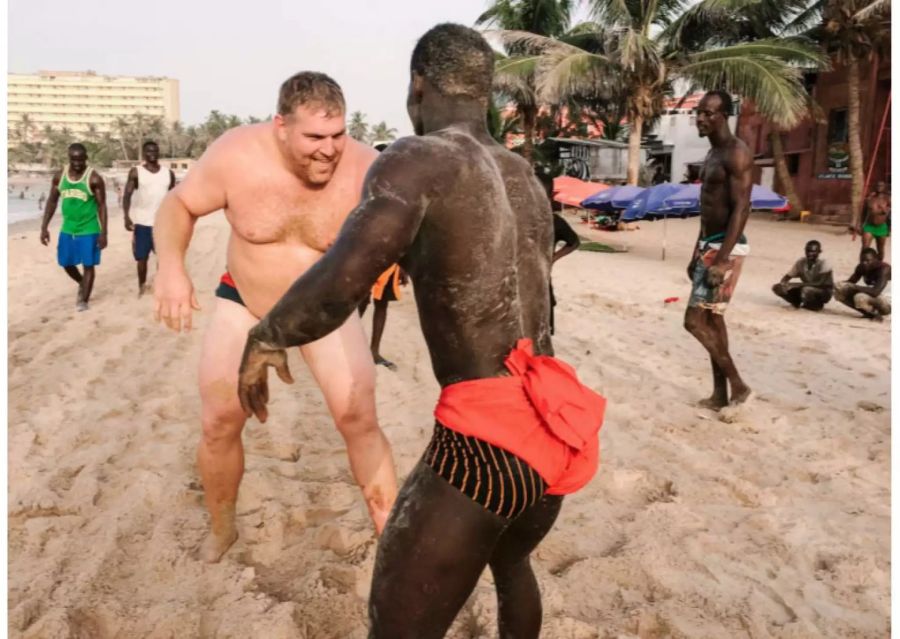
(142, 243)
(75, 250)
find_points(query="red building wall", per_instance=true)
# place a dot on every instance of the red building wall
(808, 142)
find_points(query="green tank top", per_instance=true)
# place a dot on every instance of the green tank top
(79, 206)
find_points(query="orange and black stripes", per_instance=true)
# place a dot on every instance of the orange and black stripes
(491, 476)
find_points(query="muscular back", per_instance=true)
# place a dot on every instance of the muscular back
(470, 223)
(481, 259)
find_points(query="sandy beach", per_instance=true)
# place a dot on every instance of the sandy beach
(769, 520)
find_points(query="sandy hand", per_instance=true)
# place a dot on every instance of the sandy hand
(175, 299)
(253, 378)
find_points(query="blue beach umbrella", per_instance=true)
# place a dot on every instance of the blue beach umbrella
(685, 200)
(764, 198)
(618, 197)
(599, 200)
(645, 204)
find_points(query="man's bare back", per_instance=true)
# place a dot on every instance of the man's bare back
(474, 285)
(280, 226)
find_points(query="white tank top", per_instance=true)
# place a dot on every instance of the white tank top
(152, 188)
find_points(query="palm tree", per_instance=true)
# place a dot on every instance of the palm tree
(514, 74)
(855, 31)
(121, 126)
(382, 133)
(717, 22)
(631, 51)
(358, 128)
(24, 128)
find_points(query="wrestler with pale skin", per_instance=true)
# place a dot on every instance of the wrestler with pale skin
(286, 187)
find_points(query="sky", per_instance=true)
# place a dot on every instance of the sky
(233, 56)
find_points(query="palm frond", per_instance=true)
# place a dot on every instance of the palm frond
(564, 74)
(775, 88)
(873, 9)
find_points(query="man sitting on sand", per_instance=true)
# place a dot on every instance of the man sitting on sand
(874, 299)
(286, 187)
(816, 284)
(84, 230)
(515, 428)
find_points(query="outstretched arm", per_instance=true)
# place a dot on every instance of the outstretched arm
(377, 234)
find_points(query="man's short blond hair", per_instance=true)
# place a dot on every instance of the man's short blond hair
(312, 89)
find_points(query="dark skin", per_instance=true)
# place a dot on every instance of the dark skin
(783, 288)
(724, 208)
(878, 210)
(77, 167)
(151, 163)
(875, 275)
(420, 201)
(379, 319)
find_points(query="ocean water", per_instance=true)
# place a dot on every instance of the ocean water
(18, 210)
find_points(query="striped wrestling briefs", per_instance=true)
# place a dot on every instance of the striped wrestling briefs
(492, 477)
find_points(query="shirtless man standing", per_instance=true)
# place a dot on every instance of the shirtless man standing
(286, 187)
(721, 246)
(515, 430)
(875, 223)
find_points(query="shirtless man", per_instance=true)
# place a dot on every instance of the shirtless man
(721, 246)
(875, 224)
(874, 299)
(286, 187)
(489, 486)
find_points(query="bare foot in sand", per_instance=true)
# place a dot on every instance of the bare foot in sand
(216, 544)
(740, 395)
(713, 402)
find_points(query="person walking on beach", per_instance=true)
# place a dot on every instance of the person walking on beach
(84, 229)
(490, 484)
(816, 284)
(145, 188)
(286, 187)
(721, 247)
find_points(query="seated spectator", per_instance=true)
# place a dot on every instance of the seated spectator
(874, 299)
(816, 284)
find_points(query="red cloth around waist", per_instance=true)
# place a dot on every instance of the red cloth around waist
(542, 414)
(226, 279)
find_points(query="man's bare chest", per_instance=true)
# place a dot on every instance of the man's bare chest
(270, 211)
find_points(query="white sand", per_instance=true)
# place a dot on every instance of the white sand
(771, 520)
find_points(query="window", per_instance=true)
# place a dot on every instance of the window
(837, 126)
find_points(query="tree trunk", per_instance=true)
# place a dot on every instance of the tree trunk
(784, 176)
(856, 153)
(529, 118)
(634, 149)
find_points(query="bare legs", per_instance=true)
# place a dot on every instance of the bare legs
(436, 545)
(709, 329)
(340, 364)
(85, 283)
